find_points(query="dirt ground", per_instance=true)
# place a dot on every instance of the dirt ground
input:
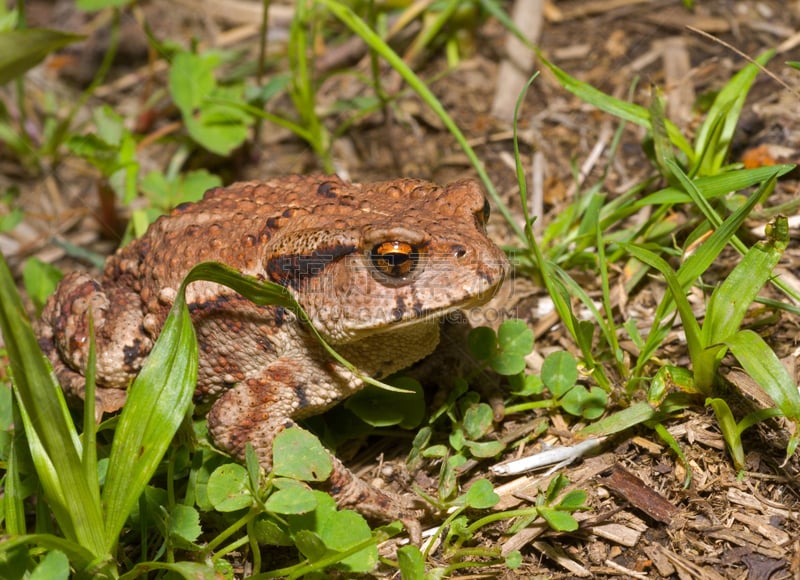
(644, 523)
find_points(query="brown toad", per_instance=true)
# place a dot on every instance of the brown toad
(375, 266)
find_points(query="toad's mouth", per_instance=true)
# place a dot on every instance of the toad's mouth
(403, 316)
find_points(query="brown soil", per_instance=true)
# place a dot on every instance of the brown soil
(644, 522)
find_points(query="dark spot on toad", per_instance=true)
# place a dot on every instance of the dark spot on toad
(265, 344)
(399, 310)
(46, 345)
(301, 396)
(327, 189)
(133, 352)
(214, 304)
(484, 274)
(295, 269)
(280, 316)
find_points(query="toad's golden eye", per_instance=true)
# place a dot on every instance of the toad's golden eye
(394, 259)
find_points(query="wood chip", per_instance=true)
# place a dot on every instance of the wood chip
(628, 573)
(743, 498)
(750, 389)
(516, 68)
(680, 19)
(687, 569)
(508, 489)
(560, 557)
(789, 43)
(625, 484)
(617, 533)
(762, 526)
(241, 11)
(584, 9)
(648, 445)
(743, 537)
(660, 561)
(524, 537)
(677, 71)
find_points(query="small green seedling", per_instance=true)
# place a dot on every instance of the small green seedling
(471, 421)
(505, 353)
(40, 279)
(111, 148)
(284, 511)
(553, 506)
(455, 531)
(708, 343)
(166, 191)
(581, 231)
(558, 512)
(210, 111)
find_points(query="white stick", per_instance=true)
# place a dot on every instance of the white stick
(557, 455)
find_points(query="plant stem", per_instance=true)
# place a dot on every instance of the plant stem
(262, 55)
(229, 531)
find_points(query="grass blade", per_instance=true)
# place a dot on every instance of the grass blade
(21, 50)
(157, 403)
(730, 301)
(662, 147)
(667, 438)
(51, 435)
(618, 108)
(634, 415)
(13, 508)
(698, 262)
(79, 556)
(676, 288)
(160, 396)
(730, 433)
(89, 455)
(264, 292)
(760, 362)
(714, 186)
(713, 140)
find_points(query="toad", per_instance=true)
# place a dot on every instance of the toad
(376, 266)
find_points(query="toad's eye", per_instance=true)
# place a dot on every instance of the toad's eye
(394, 259)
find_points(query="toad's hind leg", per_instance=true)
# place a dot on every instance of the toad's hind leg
(120, 341)
(256, 410)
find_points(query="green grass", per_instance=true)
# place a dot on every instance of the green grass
(142, 493)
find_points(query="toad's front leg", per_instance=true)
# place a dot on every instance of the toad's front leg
(256, 410)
